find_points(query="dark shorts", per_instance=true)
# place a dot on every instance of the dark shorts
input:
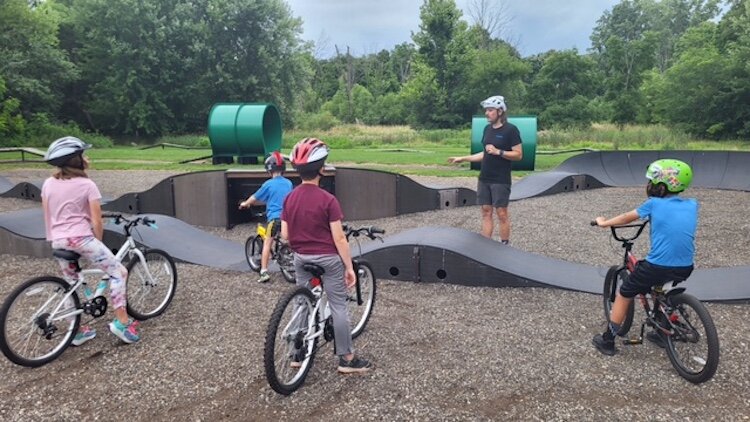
(273, 227)
(647, 275)
(495, 194)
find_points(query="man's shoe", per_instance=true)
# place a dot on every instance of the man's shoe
(264, 277)
(656, 338)
(355, 366)
(84, 334)
(604, 345)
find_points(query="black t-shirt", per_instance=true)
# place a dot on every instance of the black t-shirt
(496, 169)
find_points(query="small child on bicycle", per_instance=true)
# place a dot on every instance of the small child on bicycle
(311, 221)
(673, 223)
(73, 220)
(272, 192)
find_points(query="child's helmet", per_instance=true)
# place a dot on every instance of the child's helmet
(63, 149)
(497, 101)
(275, 163)
(309, 154)
(675, 174)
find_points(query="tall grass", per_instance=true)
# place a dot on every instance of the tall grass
(358, 136)
(607, 136)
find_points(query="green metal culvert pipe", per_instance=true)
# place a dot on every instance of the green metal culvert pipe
(244, 130)
(527, 125)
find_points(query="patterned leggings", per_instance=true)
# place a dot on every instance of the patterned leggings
(100, 257)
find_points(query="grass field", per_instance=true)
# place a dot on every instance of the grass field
(399, 149)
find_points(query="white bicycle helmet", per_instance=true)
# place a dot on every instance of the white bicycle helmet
(496, 101)
(63, 149)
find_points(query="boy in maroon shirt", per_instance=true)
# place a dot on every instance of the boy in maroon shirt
(311, 222)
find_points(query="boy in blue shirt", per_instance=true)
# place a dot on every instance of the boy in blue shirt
(272, 193)
(673, 224)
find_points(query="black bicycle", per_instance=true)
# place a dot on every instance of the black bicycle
(302, 316)
(692, 343)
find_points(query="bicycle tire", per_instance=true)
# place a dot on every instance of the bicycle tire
(359, 314)
(285, 259)
(22, 337)
(694, 352)
(253, 252)
(285, 343)
(150, 297)
(612, 282)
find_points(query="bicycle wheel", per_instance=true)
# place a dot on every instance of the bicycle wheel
(253, 251)
(612, 282)
(360, 310)
(151, 284)
(285, 259)
(288, 355)
(30, 335)
(693, 346)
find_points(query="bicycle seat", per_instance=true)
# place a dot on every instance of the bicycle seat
(314, 269)
(66, 254)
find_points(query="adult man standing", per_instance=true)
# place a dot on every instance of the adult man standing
(502, 144)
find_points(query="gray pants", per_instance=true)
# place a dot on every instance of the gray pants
(335, 288)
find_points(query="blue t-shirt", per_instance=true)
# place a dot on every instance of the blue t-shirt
(272, 192)
(673, 224)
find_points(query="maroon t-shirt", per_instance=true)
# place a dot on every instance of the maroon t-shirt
(308, 212)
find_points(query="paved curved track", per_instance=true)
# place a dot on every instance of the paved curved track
(440, 254)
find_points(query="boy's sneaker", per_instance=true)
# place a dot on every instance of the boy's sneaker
(656, 338)
(126, 333)
(356, 365)
(84, 334)
(605, 343)
(264, 277)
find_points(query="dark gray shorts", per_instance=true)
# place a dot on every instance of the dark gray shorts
(495, 194)
(647, 275)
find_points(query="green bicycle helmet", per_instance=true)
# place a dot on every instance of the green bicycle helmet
(675, 174)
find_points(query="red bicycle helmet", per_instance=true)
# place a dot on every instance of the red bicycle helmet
(275, 163)
(309, 154)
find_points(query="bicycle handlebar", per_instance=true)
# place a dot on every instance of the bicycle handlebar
(621, 238)
(372, 232)
(130, 223)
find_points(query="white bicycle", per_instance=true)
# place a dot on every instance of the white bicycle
(39, 319)
(302, 316)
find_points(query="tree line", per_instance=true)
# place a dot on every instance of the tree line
(143, 69)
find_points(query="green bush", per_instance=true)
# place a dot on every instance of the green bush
(40, 132)
(317, 121)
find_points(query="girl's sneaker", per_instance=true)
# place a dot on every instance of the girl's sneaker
(84, 334)
(100, 288)
(126, 333)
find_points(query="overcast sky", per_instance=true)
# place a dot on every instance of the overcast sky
(368, 26)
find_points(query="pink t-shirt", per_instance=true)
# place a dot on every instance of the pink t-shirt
(68, 212)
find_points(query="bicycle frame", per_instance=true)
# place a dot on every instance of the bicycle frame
(318, 329)
(128, 248)
(659, 294)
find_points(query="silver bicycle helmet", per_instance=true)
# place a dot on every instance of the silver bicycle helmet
(496, 101)
(63, 149)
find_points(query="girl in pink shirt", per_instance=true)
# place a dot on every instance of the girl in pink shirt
(73, 220)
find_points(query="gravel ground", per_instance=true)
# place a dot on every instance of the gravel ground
(441, 352)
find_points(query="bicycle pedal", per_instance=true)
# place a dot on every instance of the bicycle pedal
(632, 341)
